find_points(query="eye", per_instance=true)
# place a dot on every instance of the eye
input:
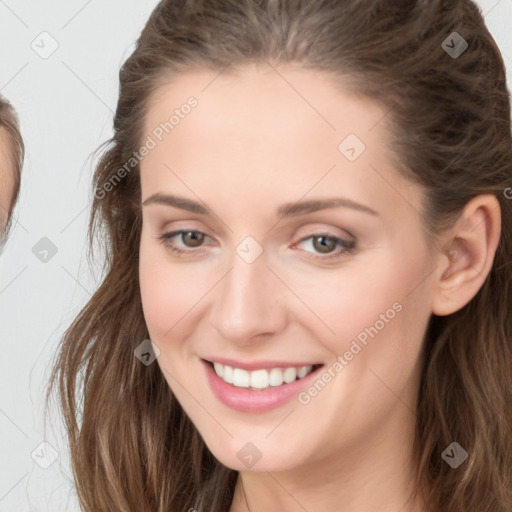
(190, 238)
(325, 243)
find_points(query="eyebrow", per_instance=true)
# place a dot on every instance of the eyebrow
(286, 210)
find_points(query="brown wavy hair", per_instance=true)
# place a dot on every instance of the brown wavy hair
(132, 446)
(9, 126)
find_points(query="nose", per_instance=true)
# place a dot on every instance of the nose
(247, 302)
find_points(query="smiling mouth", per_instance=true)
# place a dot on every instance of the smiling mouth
(261, 379)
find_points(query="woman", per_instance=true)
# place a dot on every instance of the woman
(306, 306)
(12, 152)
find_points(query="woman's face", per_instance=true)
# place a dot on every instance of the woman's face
(6, 179)
(260, 287)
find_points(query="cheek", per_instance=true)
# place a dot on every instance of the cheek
(163, 293)
(171, 293)
(381, 303)
(379, 313)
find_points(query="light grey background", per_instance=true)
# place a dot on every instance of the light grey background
(65, 103)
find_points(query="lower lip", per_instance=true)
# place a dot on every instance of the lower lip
(248, 400)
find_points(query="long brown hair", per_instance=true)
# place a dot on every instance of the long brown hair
(132, 446)
(9, 125)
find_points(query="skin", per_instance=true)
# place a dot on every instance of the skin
(6, 179)
(252, 144)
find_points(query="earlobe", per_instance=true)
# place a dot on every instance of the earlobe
(467, 255)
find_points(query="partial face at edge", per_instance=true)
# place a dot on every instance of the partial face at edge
(251, 144)
(6, 179)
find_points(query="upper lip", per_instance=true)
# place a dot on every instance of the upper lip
(259, 365)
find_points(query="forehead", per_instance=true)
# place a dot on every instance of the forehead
(265, 100)
(263, 128)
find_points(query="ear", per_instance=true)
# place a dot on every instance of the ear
(467, 255)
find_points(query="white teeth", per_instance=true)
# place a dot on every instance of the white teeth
(276, 377)
(226, 373)
(241, 378)
(289, 375)
(302, 371)
(218, 369)
(260, 379)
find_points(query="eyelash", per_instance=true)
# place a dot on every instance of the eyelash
(349, 247)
